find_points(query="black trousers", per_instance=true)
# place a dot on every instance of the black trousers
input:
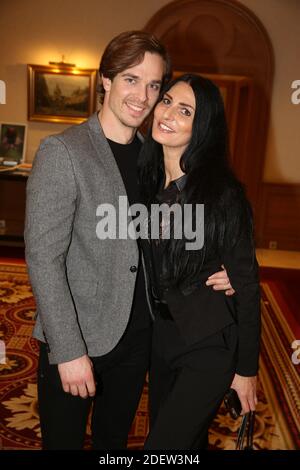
(187, 385)
(120, 377)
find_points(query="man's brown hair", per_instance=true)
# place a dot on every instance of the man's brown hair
(127, 50)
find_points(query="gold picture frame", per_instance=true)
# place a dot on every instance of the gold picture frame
(60, 93)
(12, 143)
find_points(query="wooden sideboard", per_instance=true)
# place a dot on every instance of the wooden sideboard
(12, 207)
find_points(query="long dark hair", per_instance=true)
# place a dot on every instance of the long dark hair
(210, 181)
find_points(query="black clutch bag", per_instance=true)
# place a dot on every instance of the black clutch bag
(246, 429)
(232, 403)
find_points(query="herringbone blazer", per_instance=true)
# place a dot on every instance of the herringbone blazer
(83, 285)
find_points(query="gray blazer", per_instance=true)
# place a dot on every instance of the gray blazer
(83, 286)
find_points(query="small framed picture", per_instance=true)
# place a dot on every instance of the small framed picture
(61, 93)
(12, 143)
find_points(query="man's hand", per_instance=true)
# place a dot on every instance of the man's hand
(77, 377)
(246, 390)
(220, 281)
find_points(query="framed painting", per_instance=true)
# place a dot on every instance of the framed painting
(12, 143)
(61, 93)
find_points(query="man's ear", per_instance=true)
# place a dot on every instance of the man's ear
(106, 82)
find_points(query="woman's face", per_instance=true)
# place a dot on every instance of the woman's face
(173, 117)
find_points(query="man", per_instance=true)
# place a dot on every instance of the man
(93, 318)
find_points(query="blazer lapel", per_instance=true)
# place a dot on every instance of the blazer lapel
(105, 154)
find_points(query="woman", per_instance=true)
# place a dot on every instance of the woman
(203, 342)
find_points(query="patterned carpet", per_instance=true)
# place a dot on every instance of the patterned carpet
(278, 413)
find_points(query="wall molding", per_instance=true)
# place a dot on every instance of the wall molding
(278, 218)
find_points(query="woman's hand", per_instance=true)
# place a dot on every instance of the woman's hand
(246, 390)
(221, 281)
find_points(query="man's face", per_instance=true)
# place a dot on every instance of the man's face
(131, 95)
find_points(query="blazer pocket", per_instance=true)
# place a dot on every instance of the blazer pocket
(83, 288)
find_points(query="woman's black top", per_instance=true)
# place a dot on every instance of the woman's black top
(155, 257)
(198, 310)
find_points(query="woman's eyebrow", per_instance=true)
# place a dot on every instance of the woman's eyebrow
(181, 104)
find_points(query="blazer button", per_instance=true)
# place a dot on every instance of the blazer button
(133, 269)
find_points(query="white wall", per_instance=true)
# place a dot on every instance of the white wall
(35, 31)
(281, 19)
(39, 31)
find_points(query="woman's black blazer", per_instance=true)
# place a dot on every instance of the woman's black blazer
(204, 311)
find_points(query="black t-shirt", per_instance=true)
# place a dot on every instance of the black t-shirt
(126, 156)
